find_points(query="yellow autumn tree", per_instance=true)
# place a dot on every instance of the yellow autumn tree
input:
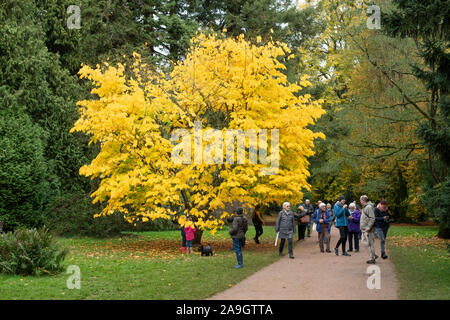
(224, 84)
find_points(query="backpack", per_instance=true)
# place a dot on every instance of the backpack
(242, 224)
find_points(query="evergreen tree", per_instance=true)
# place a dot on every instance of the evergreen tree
(34, 86)
(112, 30)
(428, 23)
(24, 177)
(279, 20)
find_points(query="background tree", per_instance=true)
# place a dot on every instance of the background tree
(428, 24)
(34, 86)
(24, 175)
(374, 106)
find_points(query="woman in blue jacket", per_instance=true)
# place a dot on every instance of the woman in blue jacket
(341, 215)
(322, 218)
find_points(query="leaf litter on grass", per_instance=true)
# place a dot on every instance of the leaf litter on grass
(417, 241)
(142, 248)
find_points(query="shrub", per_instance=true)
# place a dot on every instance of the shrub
(24, 174)
(72, 215)
(30, 252)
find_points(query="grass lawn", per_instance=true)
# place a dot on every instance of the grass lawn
(422, 262)
(145, 265)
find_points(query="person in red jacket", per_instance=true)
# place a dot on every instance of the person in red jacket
(190, 233)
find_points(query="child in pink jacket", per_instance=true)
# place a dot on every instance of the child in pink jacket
(189, 231)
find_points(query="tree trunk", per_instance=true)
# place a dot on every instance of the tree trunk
(444, 229)
(198, 237)
(444, 232)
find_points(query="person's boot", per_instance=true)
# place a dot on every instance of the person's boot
(371, 261)
(350, 250)
(336, 251)
(183, 249)
(376, 257)
(384, 256)
(346, 254)
(328, 250)
(291, 254)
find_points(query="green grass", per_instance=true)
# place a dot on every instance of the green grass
(422, 264)
(114, 275)
(412, 231)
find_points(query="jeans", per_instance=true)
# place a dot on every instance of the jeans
(343, 231)
(301, 231)
(308, 227)
(291, 253)
(355, 236)
(237, 247)
(382, 233)
(189, 243)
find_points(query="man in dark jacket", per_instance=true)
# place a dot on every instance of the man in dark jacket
(237, 233)
(301, 216)
(257, 223)
(382, 225)
(309, 212)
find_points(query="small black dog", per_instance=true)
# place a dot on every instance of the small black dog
(206, 250)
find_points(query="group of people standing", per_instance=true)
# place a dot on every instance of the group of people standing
(352, 223)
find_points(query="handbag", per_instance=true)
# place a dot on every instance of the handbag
(305, 219)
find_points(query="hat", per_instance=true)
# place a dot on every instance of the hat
(341, 198)
(383, 202)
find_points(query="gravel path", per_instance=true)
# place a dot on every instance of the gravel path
(313, 275)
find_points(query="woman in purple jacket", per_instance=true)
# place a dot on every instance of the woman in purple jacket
(353, 227)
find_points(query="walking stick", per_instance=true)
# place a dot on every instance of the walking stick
(276, 239)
